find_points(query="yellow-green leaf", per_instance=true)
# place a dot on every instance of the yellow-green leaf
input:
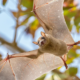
(4, 2)
(72, 71)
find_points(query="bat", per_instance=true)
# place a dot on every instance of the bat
(48, 44)
(31, 65)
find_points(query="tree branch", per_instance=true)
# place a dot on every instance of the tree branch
(17, 22)
(10, 44)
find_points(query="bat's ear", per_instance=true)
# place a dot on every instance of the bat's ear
(43, 34)
(35, 43)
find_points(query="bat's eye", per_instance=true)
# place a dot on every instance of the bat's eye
(42, 38)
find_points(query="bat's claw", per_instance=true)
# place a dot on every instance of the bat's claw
(3, 62)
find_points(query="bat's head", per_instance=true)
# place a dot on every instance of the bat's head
(42, 41)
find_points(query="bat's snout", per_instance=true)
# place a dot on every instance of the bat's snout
(42, 42)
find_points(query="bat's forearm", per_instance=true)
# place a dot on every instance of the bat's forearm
(45, 26)
(15, 56)
(33, 56)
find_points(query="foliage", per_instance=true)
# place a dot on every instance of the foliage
(71, 12)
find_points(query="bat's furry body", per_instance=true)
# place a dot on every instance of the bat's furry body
(52, 45)
(49, 44)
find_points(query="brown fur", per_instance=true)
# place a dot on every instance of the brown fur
(52, 45)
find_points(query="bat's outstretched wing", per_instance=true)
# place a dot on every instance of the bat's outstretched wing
(25, 68)
(50, 15)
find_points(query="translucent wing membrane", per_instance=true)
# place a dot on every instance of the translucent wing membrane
(50, 15)
(29, 68)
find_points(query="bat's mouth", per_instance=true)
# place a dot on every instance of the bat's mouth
(42, 42)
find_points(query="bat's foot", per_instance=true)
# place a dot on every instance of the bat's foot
(64, 63)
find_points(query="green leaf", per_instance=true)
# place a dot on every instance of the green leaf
(72, 53)
(77, 28)
(77, 21)
(70, 60)
(69, 13)
(62, 76)
(42, 77)
(67, 19)
(34, 24)
(72, 71)
(68, 23)
(27, 3)
(70, 27)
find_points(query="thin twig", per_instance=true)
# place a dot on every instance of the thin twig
(17, 22)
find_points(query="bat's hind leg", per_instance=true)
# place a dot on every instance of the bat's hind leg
(64, 63)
